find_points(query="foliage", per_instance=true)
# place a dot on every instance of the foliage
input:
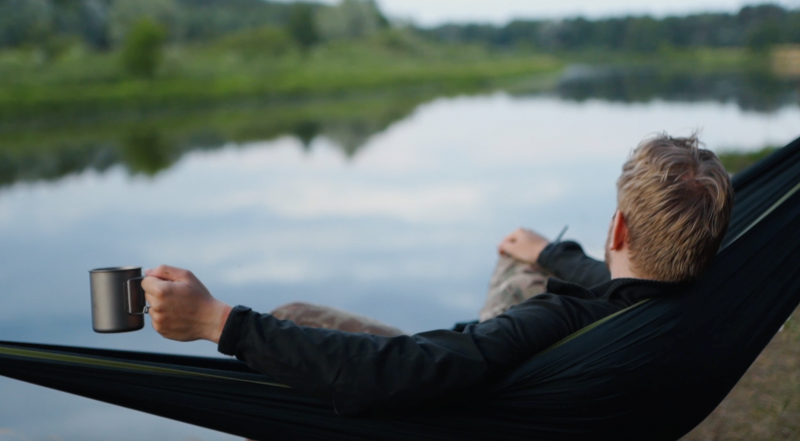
(196, 76)
(24, 21)
(302, 26)
(792, 28)
(644, 35)
(735, 161)
(752, 25)
(102, 24)
(267, 41)
(124, 15)
(350, 19)
(207, 20)
(763, 36)
(93, 24)
(400, 40)
(57, 45)
(142, 52)
(231, 68)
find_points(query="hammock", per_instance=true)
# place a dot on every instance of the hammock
(653, 371)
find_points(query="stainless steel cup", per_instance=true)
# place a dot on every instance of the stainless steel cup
(118, 303)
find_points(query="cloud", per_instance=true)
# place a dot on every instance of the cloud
(437, 203)
(5, 433)
(468, 303)
(272, 270)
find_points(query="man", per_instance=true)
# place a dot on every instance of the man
(674, 202)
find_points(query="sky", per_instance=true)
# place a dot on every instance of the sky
(433, 12)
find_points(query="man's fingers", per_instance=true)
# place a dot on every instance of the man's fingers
(155, 286)
(171, 273)
(510, 238)
(155, 290)
(506, 247)
(508, 242)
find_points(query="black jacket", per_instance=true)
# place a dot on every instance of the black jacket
(361, 372)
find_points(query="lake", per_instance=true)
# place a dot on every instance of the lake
(393, 213)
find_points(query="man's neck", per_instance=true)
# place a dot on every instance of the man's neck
(620, 266)
(624, 273)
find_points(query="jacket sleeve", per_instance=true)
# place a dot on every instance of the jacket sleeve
(358, 372)
(567, 261)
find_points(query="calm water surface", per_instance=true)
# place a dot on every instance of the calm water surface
(405, 230)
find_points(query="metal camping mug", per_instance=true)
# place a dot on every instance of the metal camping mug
(118, 303)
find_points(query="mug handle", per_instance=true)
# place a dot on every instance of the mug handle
(138, 307)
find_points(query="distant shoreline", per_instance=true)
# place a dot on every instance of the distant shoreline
(96, 91)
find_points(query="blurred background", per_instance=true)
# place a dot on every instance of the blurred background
(363, 154)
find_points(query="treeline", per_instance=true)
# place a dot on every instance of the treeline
(104, 24)
(755, 27)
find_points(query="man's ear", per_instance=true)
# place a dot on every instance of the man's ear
(619, 232)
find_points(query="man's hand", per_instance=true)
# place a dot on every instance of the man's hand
(181, 308)
(524, 245)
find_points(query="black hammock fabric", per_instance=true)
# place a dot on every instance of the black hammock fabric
(651, 372)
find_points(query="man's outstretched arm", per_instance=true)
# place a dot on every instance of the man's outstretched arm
(360, 372)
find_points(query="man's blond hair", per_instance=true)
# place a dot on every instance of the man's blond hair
(677, 200)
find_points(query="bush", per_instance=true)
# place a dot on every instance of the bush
(142, 52)
(399, 40)
(57, 45)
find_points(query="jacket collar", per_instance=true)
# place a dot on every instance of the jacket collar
(631, 290)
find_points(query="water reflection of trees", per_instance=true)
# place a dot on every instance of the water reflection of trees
(149, 144)
(758, 91)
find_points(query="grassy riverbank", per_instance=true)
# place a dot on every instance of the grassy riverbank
(669, 60)
(735, 161)
(85, 83)
(78, 84)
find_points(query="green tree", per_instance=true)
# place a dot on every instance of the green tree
(762, 36)
(125, 14)
(644, 35)
(94, 24)
(576, 34)
(24, 21)
(301, 25)
(142, 51)
(793, 28)
(610, 33)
